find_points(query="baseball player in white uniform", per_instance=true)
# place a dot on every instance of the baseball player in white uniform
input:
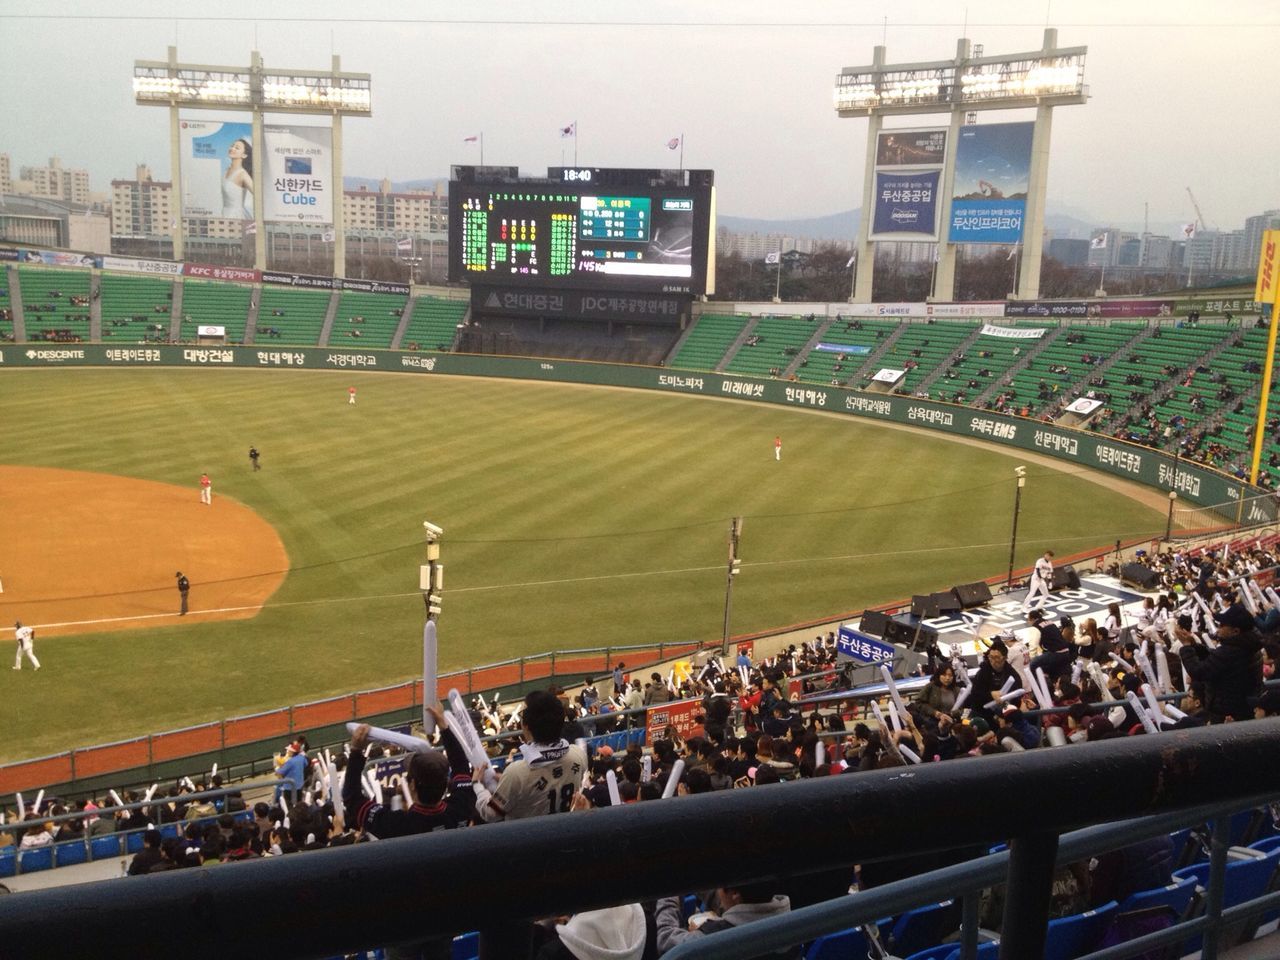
(1041, 581)
(26, 644)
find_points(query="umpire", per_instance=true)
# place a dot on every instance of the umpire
(184, 587)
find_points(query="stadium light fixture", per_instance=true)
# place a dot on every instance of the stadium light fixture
(160, 83)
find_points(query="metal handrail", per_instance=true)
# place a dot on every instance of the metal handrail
(392, 891)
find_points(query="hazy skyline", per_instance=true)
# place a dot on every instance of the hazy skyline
(1174, 99)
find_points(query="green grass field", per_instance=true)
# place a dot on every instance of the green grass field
(574, 517)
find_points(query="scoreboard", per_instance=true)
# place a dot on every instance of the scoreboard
(582, 228)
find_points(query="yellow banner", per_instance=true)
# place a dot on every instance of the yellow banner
(1268, 267)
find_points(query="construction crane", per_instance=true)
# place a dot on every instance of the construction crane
(1199, 215)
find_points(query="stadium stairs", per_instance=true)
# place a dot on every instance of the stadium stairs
(175, 314)
(330, 313)
(1120, 341)
(803, 356)
(873, 362)
(1171, 398)
(95, 306)
(780, 340)
(732, 351)
(704, 344)
(406, 317)
(1024, 361)
(251, 318)
(948, 362)
(11, 300)
(826, 368)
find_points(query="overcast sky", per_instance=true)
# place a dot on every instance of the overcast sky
(1180, 89)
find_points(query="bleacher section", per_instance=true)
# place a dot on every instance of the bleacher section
(135, 308)
(985, 361)
(6, 308)
(289, 316)
(47, 304)
(711, 336)
(1062, 363)
(366, 319)
(819, 366)
(920, 349)
(1162, 358)
(434, 324)
(773, 344)
(207, 303)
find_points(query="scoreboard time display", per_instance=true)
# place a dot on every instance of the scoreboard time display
(582, 228)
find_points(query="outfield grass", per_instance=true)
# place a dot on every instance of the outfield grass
(574, 517)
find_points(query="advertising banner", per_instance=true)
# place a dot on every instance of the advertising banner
(211, 331)
(59, 258)
(1013, 333)
(853, 644)
(372, 286)
(209, 271)
(301, 280)
(913, 147)
(297, 174)
(1132, 308)
(573, 303)
(842, 348)
(995, 309)
(906, 204)
(218, 170)
(1084, 406)
(993, 170)
(1047, 308)
(9, 254)
(166, 268)
(1268, 268)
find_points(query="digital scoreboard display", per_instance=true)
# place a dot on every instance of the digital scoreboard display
(583, 229)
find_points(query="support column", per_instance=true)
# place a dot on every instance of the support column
(1027, 895)
(1037, 186)
(259, 196)
(864, 249)
(339, 225)
(177, 226)
(944, 277)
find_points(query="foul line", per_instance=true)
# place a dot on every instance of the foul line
(552, 583)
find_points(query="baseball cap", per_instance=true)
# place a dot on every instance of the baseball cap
(1269, 702)
(1235, 616)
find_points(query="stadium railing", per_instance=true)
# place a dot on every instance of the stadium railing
(390, 892)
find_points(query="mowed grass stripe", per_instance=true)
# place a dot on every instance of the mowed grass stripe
(495, 463)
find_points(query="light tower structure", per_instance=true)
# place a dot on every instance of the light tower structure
(1041, 79)
(256, 90)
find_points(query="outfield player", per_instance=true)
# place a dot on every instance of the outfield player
(777, 448)
(1041, 582)
(253, 458)
(351, 395)
(206, 490)
(26, 644)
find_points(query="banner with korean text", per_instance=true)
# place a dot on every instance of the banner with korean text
(297, 173)
(218, 171)
(992, 176)
(906, 205)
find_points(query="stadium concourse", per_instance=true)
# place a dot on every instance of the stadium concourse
(1150, 643)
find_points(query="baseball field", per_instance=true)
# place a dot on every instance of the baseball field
(574, 517)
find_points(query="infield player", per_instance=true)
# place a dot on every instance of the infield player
(1041, 581)
(206, 490)
(777, 448)
(26, 644)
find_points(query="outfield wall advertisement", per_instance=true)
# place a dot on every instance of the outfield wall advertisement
(1140, 464)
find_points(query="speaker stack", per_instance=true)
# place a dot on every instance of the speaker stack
(1065, 578)
(1140, 575)
(873, 622)
(971, 594)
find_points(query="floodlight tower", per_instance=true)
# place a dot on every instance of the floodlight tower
(1050, 77)
(257, 90)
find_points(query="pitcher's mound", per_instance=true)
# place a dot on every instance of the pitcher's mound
(81, 552)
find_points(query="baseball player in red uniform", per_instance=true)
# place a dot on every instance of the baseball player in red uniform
(777, 448)
(206, 490)
(351, 394)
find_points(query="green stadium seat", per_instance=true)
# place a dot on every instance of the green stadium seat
(135, 308)
(210, 303)
(366, 319)
(47, 306)
(819, 366)
(289, 316)
(711, 336)
(434, 323)
(773, 345)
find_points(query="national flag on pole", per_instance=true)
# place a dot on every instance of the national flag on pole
(673, 143)
(1099, 242)
(1013, 252)
(250, 228)
(404, 245)
(328, 236)
(852, 257)
(937, 253)
(570, 131)
(1189, 231)
(470, 139)
(774, 257)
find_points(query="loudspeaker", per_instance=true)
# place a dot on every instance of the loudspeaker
(1139, 574)
(972, 594)
(904, 634)
(1065, 577)
(873, 622)
(946, 602)
(924, 605)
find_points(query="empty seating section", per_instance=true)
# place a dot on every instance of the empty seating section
(772, 345)
(135, 308)
(289, 316)
(55, 304)
(1069, 360)
(434, 324)
(921, 348)
(985, 361)
(712, 335)
(819, 366)
(366, 319)
(215, 304)
(6, 308)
